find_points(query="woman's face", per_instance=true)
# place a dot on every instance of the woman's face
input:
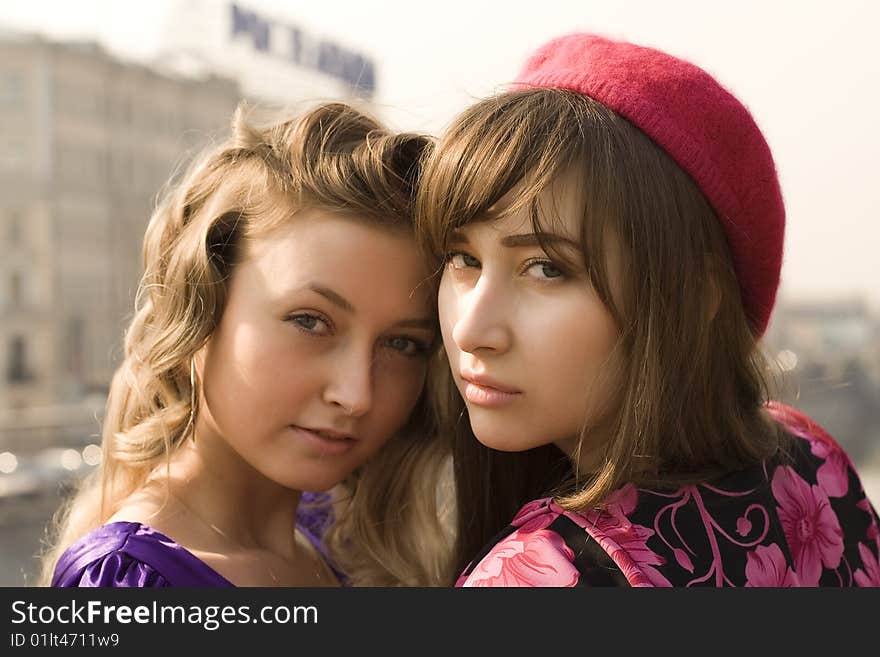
(527, 338)
(321, 353)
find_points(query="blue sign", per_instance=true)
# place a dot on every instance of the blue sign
(300, 48)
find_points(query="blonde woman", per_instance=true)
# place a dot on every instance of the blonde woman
(280, 344)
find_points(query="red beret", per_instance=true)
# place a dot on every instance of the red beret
(702, 126)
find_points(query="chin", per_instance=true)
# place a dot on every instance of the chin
(313, 482)
(319, 487)
(505, 441)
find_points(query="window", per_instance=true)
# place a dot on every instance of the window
(11, 89)
(18, 371)
(14, 228)
(15, 289)
(75, 345)
(13, 154)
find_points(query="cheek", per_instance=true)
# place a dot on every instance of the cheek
(447, 311)
(266, 373)
(597, 377)
(574, 350)
(593, 345)
(280, 370)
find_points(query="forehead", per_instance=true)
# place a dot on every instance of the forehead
(555, 211)
(356, 258)
(305, 228)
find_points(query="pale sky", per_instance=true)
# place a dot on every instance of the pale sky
(809, 72)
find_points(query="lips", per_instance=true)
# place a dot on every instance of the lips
(487, 382)
(325, 442)
(484, 391)
(329, 434)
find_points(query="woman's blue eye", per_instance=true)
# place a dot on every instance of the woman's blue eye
(545, 269)
(460, 260)
(407, 346)
(306, 321)
(309, 323)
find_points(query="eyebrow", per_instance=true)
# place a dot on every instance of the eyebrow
(521, 240)
(425, 323)
(341, 302)
(333, 297)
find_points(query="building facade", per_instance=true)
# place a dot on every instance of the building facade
(87, 141)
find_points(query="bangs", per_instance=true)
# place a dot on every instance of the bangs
(523, 140)
(528, 149)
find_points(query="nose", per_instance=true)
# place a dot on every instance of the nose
(482, 321)
(350, 387)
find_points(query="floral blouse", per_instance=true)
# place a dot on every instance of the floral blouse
(804, 523)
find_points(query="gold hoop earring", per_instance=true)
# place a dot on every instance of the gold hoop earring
(192, 398)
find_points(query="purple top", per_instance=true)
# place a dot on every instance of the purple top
(129, 554)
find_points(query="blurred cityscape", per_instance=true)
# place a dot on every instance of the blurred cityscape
(88, 140)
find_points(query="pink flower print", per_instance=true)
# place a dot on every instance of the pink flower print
(793, 420)
(527, 510)
(766, 566)
(538, 558)
(799, 424)
(624, 541)
(870, 576)
(833, 474)
(636, 574)
(743, 526)
(812, 530)
(873, 532)
(622, 502)
(683, 559)
(534, 515)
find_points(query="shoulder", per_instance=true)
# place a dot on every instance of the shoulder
(130, 554)
(527, 554)
(802, 426)
(546, 545)
(818, 454)
(102, 558)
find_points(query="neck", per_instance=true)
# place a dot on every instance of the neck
(215, 484)
(586, 454)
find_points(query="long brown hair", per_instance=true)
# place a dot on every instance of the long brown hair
(691, 386)
(332, 157)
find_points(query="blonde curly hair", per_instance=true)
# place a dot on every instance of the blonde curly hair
(332, 156)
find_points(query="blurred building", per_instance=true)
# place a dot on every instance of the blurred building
(275, 60)
(829, 353)
(86, 143)
(836, 329)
